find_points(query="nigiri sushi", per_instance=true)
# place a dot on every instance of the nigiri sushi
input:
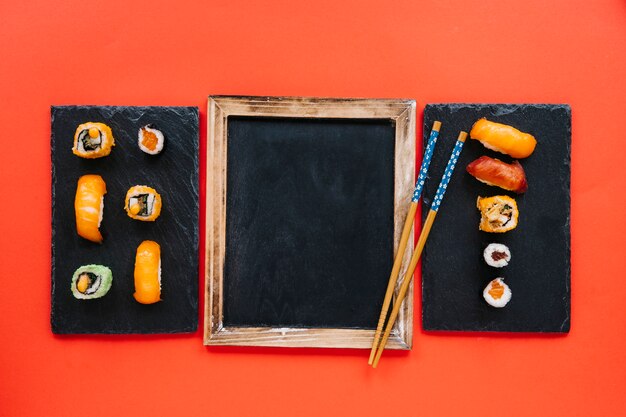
(89, 206)
(150, 140)
(143, 203)
(494, 172)
(498, 214)
(148, 273)
(93, 140)
(503, 138)
(497, 293)
(91, 281)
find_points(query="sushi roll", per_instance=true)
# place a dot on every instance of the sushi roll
(89, 206)
(93, 140)
(91, 281)
(150, 140)
(148, 273)
(503, 138)
(497, 255)
(143, 203)
(497, 293)
(498, 214)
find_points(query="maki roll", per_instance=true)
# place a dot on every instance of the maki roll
(497, 293)
(150, 140)
(497, 255)
(91, 281)
(143, 203)
(93, 140)
(498, 214)
(148, 273)
(503, 138)
(89, 206)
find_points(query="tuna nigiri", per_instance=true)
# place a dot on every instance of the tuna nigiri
(493, 171)
(89, 206)
(148, 273)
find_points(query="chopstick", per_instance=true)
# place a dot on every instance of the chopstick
(441, 190)
(406, 231)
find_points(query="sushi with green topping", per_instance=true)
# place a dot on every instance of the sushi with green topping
(91, 281)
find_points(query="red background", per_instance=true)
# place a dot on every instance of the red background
(176, 53)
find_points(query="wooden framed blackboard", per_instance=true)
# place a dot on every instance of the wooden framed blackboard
(306, 199)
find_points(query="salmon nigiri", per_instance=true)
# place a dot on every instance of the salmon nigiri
(148, 273)
(89, 206)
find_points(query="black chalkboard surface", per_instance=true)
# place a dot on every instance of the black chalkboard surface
(309, 221)
(454, 273)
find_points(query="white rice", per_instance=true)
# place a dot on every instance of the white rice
(160, 140)
(499, 251)
(499, 302)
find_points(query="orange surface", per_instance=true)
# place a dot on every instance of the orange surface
(164, 53)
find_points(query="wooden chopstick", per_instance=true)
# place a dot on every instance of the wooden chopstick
(430, 219)
(404, 238)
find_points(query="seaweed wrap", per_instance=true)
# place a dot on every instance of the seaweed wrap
(150, 140)
(93, 140)
(91, 281)
(143, 203)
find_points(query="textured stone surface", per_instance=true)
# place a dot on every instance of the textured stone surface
(174, 174)
(453, 271)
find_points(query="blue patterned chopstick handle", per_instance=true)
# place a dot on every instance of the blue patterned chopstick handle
(428, 154)
(454, 157)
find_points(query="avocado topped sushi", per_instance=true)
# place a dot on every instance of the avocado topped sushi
(91, 281)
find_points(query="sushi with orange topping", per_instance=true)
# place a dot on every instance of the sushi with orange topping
(150, 140)
(148, 273)
(497, 293)
(143, 203)
(89, 206)
(93, 140)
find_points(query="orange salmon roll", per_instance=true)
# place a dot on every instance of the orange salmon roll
(503, 138)
(89, 206)
(143, 203)
(93, 140)
(148, 273)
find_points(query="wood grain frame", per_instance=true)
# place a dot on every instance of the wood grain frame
(402, 112)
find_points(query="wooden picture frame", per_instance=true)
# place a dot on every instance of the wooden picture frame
(401, 112)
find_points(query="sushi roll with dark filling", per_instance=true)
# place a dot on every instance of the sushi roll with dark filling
(143, 203)
(91, 281)
(93, 140)
(497, 255)
(150, 140)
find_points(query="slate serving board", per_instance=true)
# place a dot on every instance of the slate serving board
(309, 228)
(454, 273)
(174, 174)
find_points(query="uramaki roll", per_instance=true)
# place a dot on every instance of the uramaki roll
(91, 281)
(93, 140)
(143, 203)
(499, 213)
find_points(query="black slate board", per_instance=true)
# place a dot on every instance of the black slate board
(309, 227)
(454, 273)
(174, 174)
